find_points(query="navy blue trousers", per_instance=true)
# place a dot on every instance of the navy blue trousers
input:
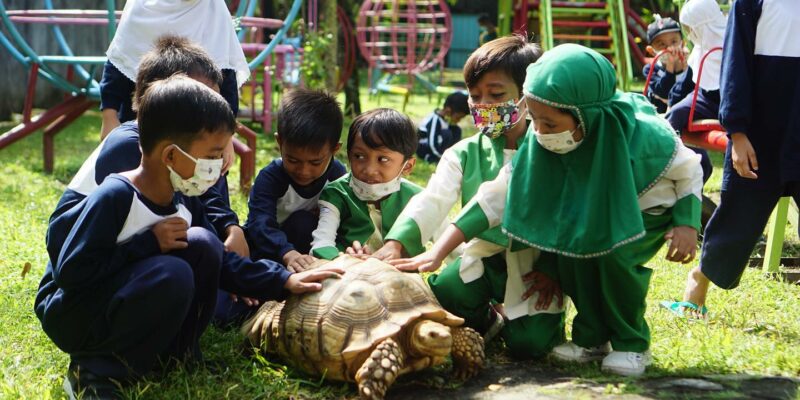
(707, 107)
(159, 312)
(735, 228)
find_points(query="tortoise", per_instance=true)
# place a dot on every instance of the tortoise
(370, 326)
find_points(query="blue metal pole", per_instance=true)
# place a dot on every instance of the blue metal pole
(278, 36)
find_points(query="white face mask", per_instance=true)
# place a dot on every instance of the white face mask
(206, 174)
(375, 191)
(560, 143)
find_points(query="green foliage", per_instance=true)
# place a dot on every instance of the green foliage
(316, 63)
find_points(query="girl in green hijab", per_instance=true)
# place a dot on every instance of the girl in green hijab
(602, 182)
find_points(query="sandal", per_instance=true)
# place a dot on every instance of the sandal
(678, 308)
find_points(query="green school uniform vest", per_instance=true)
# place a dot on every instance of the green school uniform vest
(355, 222)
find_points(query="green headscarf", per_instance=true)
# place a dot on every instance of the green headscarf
(585, 203)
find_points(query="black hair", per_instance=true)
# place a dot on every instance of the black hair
(174, 55)
(384, 127)
(309, 118)
(509, 54)
(457, 102)
(180, 109)
(485, 19)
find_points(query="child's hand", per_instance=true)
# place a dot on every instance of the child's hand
(683, 246)
(743, 156)
(359, 251)
(297, 262)
(249, 301)
(236, 242)
(110, 121)
(391, 250)
(546, 287)
(308, 281)
(425, 262)
(171, 234)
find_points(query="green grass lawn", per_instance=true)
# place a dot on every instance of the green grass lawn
(754, 329)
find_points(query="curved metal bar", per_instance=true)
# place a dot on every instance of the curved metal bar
(248, 11)
(259, 59)
(31, 55)
(111, 6)
(62, 44)
(14, 52)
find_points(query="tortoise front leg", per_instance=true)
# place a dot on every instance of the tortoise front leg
(467, 353)
(379, 370)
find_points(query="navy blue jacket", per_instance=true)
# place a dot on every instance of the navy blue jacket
(120, 152)
(760, 89)
(436, 136)
(87, 264)
(274, 190)
(667, 86)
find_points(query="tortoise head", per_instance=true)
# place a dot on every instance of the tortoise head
(430, 338)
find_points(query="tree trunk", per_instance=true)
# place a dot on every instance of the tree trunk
(329, 26)
(352, 99)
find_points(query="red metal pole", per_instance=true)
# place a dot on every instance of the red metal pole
(30, 94)
(59, 124)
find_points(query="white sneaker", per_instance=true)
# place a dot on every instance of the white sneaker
(574, 353)
(626, 363)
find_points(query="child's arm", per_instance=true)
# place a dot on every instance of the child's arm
(323, 244)
(483, 212)
(687, 176)
(223, 219)
(119, 153)
(262, 220)
(426, 211)
(738, 68)
(115, 92)
(661, 82)
(268, 280)
(85, 252)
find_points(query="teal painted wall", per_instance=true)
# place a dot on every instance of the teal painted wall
(465, 39)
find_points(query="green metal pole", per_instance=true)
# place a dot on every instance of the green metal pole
(775, 234)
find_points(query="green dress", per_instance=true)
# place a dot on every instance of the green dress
(584, 205)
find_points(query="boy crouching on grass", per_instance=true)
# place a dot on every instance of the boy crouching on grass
(135, 268)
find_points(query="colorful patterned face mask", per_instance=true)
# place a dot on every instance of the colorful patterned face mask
(496, 119)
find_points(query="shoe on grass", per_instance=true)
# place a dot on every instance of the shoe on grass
(686, 309)
(626, 363)
(84, 385)
(573, 353)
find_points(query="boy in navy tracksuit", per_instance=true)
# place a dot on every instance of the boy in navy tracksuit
(135, 267)
(284, 199)
(760, 90)
(440, 130)
(672, 79)
(671, 82)
(120, 152)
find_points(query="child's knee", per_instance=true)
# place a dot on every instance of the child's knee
(205, 242)
(173, 282)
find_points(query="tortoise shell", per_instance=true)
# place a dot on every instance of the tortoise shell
(332, 332)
